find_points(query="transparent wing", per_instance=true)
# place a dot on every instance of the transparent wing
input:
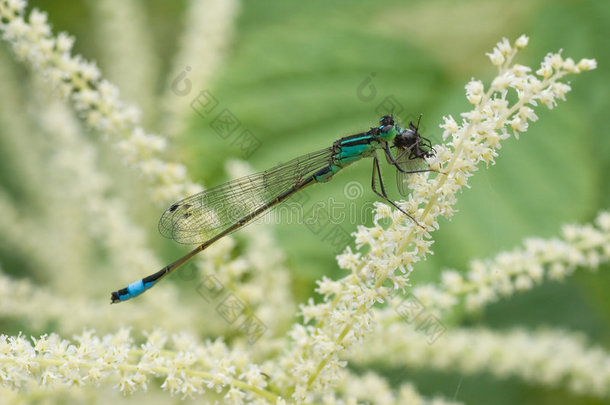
(409, 165)
(204, 215)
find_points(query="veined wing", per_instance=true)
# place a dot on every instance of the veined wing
(204, 215)
(408, 163)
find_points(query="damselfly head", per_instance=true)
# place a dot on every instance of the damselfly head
(386, 123)
(387, 120)
(411, 141)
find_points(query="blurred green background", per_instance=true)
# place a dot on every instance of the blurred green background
(292, 75)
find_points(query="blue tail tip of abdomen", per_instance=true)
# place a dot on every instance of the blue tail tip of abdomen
(132, 290)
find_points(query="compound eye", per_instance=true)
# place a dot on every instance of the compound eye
(386, 128)
(386, 120)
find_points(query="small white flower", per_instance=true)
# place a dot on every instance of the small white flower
(235, 396)
(560, 89)
(518, 124)
(546, 71)
(556, 61)
(521, 42)
(587, 64)
(452, 281)
(474, 92)
(547, 98)
(501, 83)
(496, 57)
(504, 47)
(603, 220)
(16, 28)
(526, 113)
(570, 66)
(64, 42)
(16, 6)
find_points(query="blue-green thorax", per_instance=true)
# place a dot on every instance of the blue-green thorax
(350, 149)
